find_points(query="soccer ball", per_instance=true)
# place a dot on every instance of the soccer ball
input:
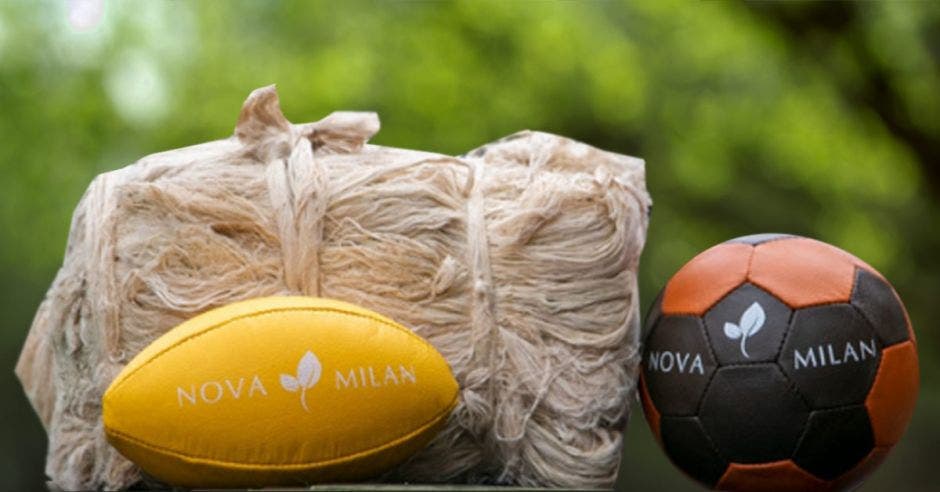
(778, 362)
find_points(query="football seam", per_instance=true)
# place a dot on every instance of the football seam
(747, 276)
(747, 273)
(708, 385)
(222, 324)
(708, 438)
(783, 342)
(811, 409)
(791, 383)
(708, 344)
(290, 466)
(874, 330)
(783, 236)
(874, 381)
(650, 324)
(856, 269)
(802, 306)
(805, 431)
(871, 324)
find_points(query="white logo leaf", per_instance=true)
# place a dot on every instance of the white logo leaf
(752, 320)
(732, 331)
(308, 370)
(289, 383)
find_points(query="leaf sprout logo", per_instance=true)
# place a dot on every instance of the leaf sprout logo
(752, 320)
(308, 373)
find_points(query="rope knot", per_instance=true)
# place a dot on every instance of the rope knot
(298, 183)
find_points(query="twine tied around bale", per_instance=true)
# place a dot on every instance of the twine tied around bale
(517, 261)
(297, 182)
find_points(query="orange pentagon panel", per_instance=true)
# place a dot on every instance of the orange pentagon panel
(854, 477)
(704, 280)
(649, 409)
(776, 476)
(892, 397)
(804, 272)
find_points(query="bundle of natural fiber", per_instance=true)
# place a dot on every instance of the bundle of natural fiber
(517, 261)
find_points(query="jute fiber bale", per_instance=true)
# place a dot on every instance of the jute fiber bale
(517, 261)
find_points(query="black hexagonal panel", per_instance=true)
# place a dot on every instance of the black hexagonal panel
(748, 325)
(878, 302)
(831, 354)
(755, 239)
(687, 445)
(677, 364)
(835, 441)
(752, 413)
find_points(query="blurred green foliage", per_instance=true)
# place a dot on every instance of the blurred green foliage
(820, 119)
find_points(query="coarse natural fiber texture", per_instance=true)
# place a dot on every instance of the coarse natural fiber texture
(517, 261)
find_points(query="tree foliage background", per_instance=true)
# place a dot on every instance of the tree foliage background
(820, 119)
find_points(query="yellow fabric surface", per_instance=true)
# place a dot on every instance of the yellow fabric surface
(279, 390)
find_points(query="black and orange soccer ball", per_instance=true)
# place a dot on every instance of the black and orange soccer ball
(777, 362)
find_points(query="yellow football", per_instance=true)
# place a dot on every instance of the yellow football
(276, 391)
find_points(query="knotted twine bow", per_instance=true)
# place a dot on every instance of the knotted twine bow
(297, 181)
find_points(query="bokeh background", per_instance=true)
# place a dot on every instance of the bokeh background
(820, 119)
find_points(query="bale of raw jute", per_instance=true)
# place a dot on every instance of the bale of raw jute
(517, 261)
